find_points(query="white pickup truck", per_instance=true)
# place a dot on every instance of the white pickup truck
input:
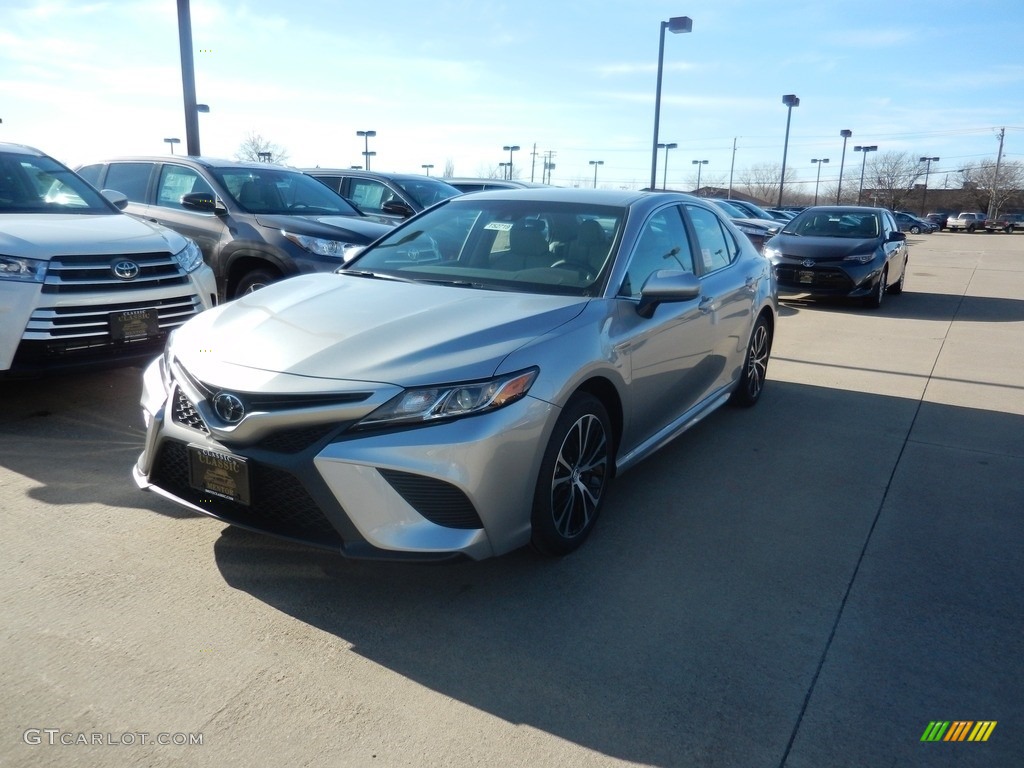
(969, 222)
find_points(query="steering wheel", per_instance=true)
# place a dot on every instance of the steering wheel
(585, 270)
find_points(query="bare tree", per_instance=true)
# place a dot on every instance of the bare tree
(761, 181)
(981, 185)
(891, 179)
(257, 149)
(449, 169)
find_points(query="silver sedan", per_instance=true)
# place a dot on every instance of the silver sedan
(468, 384)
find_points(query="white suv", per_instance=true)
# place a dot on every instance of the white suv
(82, 283)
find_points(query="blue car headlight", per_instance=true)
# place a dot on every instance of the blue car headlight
(23, 270)
(189, 258)
(449, 401)
(860, 258)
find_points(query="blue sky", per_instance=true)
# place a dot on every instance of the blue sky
(456, 80)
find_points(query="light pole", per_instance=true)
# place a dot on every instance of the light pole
(790, 100)
(427, 167)
(504, 170)
(863, 162)
(596, 163)
(817, 180)
(845, 133)
(172, 142)
(699, 163)
(927, 170)
(664, 174)
(264, 156)
(510, 148)
(367, 135)
(674, 25)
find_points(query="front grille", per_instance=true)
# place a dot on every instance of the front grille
(822, 278)
(92, 273)
(295, 440)
(89, 325)
(279, 505)
(440, 502)
(184, 413)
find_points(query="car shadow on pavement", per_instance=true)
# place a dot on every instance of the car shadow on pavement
(916, 305)
(692, 627)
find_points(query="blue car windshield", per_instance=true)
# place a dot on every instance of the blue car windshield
(825, 223)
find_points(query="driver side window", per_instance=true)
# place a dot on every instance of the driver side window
(662, 245)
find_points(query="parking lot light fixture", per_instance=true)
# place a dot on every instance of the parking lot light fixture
(426, 167)
(817, 179)
(699, 164)
(510, 148)
(863, 163)
(367, 135)
(790, 100)
(265, 157)
(664, 174)
(845, 133)
(172, 142)
(927, 170)
(675, 25)
(596, 163)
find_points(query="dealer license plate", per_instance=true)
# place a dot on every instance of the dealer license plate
(805, 276)
(134, 324)
(219, 474)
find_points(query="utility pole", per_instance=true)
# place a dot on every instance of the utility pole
(992, 209)
(533, 161)
(731, 166)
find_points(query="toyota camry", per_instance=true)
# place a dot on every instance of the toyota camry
(468, 384)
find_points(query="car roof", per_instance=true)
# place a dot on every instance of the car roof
(612, 197)
(203, 162)
(20, 149)
(370, 174)
(508, 183)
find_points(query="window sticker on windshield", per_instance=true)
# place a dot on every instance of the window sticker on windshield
(501, 226)
(709, 260)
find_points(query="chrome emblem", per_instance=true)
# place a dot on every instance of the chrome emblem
(807, 263)
(229, 407)
(125, 270)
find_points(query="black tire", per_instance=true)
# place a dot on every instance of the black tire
(574, 475)
(254, 280)
(970, 228)
(897, 288)
(915, 230)
(755, 367)
(874, 301)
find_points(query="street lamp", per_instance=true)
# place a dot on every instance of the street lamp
(845, 133)
(510, 148)
(427, 167)
(863, 162)
(596, 163)
(664, 175)
(264, 156)
(927, 170)
(504, 171)
(790, 100)
(699, 163)
(817, 180)
(172, 142)
(367, 135)
(674, 25)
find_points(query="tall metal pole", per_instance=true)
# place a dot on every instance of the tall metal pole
(732, 165)
(817, 179)
(845, 133)
(927, 170)
(188, 78)
(992, 208)
(790, 100)
(676, 24)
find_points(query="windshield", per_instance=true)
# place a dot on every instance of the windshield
(835, 223)
(427, 191)
(31, 184)
(517, 245)
(731, 210)
(278, 191)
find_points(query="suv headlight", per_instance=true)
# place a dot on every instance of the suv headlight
(319, 245)
(426, 404)
(189, 258)
(26, 270)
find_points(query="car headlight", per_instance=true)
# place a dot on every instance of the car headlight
(25, 270)
(771, 253)
(860, 258)
(426, 404)
(319, 245)
(189, 258)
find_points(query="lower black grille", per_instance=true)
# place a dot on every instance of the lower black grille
(796, 277)
(440, 502)
(279, 504)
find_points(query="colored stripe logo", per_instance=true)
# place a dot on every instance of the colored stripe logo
(959, 730)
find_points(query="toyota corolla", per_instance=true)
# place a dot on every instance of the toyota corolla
(468, 384)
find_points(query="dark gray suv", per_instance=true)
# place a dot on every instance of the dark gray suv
(393, 196)
(255, 223)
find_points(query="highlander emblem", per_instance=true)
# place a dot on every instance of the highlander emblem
(229, 407)
(125, 270)
(807, 263)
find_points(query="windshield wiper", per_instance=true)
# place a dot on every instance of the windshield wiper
(374, 275)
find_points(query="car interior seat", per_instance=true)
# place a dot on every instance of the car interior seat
(528, 247)
(590, 246)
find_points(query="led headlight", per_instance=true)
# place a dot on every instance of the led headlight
(190, 258)
(26, 270)
(860, 258)
(319, 245)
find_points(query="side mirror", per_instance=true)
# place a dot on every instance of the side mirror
(667, 285)
(397, 208)
(895, 237)
(201, 201)
(119, 199)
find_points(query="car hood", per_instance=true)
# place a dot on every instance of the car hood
(347, 328)
(44, 235)
(765, 224)
(799, 247)
(359, 230)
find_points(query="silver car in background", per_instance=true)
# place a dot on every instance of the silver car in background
(471, 382)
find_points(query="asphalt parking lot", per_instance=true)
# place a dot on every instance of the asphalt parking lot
(809, 583)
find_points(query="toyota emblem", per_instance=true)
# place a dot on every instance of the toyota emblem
(125, 270)
(229, 407)
(807, 263)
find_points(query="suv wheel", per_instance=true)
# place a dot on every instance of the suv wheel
(254, 280)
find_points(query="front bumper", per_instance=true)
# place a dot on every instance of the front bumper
(825, 279)
(457, 488)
